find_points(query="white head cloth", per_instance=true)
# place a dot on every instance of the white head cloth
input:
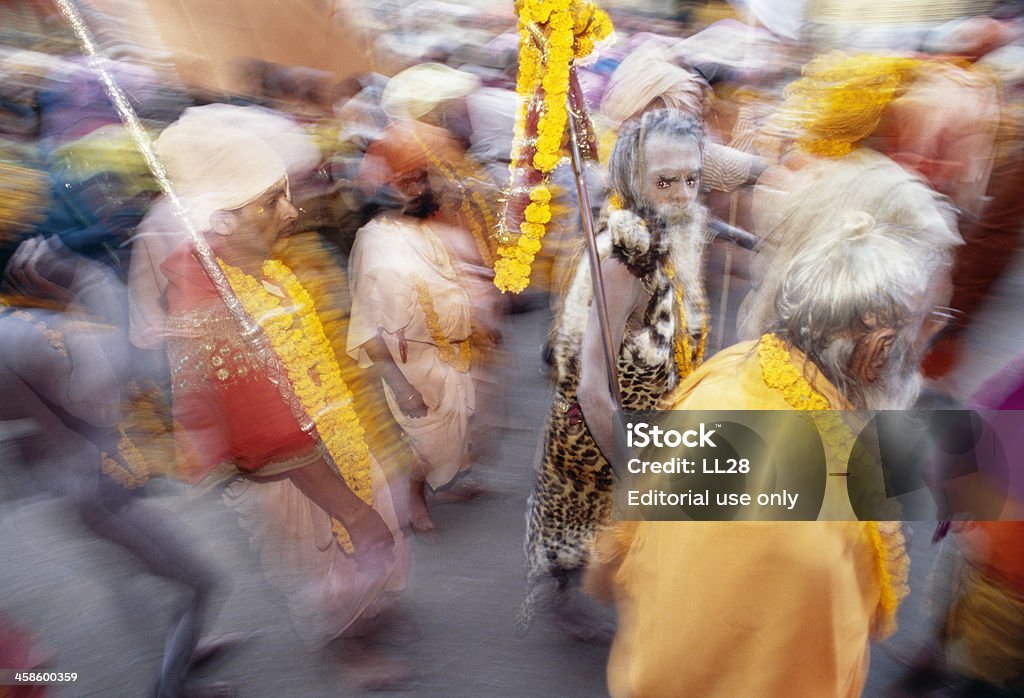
(415, 91)
(215, 165)
(644, 75)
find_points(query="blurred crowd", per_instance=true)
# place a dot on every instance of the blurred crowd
(297, 312)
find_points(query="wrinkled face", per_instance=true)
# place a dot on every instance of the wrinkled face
(259, 224)
(671, 175)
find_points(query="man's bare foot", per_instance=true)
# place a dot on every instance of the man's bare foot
(217, 689)
(576, 614)
(926, 672)
(378, 673)
(419, 512)
(197, 689)
(397, 628)
(581, 619)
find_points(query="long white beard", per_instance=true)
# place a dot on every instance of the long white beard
(684, 240)
(687, 239)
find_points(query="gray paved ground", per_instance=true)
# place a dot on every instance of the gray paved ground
(104, 618)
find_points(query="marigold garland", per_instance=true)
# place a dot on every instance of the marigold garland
(132, 471)
(309, 258)
(779, 373)
(298, 339)
(552, 35)
(478, 225)
(23, 199)
(459, 360)
(687, 358)
(840, 99)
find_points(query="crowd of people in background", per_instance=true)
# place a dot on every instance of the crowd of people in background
(297, 313)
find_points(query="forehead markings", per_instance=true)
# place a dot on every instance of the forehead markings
(272, 193)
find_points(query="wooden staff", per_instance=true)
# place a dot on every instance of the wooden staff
(579, 129)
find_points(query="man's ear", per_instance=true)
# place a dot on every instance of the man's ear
(222, 223)
(871, 355)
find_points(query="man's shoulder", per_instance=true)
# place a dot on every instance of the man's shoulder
(188, 285)
(387, 224)
(383, 233)
(730, 380)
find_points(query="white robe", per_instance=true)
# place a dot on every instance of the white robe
(389, 257)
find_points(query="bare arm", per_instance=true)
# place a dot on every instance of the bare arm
(371, 537)
(624, 293)
(409, 399)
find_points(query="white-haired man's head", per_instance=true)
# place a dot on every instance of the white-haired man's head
(655, 169)
(861, 302)
(656, 164)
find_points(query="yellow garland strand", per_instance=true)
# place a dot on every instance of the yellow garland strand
(512, 270)
(134, 472)
(298, 339)
(477, 229)
(887, 598)
(779, 373)
(459, 360)
(687, 360)
(573, 28)
(23, 199)
(530, 62)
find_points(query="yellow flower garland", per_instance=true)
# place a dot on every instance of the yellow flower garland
(477, 228)
(687, 359)
(23, 200)
(298, 339)
(840, 99)
(570, 29)
(459, 360)
(779, 373)
(134, 471)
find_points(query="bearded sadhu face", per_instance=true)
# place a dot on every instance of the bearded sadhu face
(671, 174)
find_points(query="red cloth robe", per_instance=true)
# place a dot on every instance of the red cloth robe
(230, 410)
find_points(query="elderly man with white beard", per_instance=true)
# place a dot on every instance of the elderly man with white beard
(651, 247)
(773, 608)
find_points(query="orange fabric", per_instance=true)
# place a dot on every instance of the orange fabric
(997, 549)
(751, 608)
(402, 149)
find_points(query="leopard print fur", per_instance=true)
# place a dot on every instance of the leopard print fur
(572, 497)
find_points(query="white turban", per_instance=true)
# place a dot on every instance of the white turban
(215, 165)
(417, 90)
(644, 75)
